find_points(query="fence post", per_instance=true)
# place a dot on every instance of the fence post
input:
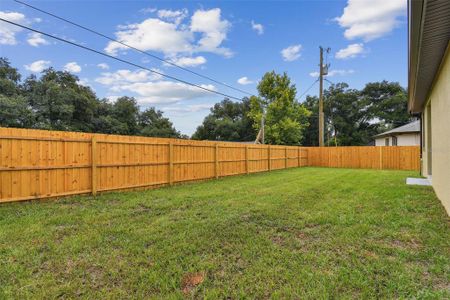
(381, 157)
(170, 163)
(285, 157)
(94, 165)
(246, 160)
(269, 161)
(216, 161)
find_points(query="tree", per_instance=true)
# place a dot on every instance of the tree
(153, 123)
(9, 78)
(56, 100)
(347, 121)
(311, 135)
(126, 112)
(15, 112)
(285, 119)
(60, 102)
(387, 103)
(228, 121)
(14, 108)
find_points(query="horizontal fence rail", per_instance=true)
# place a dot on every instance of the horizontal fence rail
(38, 164)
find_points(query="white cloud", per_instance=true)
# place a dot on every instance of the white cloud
(152, 34)
(150, 88)
(183, 109)
(38, 66)
(350, 51)
(122, 77)
(72, 67)
(188, 61)
(332, 73)
(165, 91)
(103, 66)
(35, 39)
(148, 10)
(175, 16)
(168, 36)
(214, 30)
(8, 31)
(291, 53)
(244, 80)
(259, 28)
(371, 19)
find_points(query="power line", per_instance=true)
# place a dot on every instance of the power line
(119, 59)
(329, 81)
(308, 88)
(131, 47)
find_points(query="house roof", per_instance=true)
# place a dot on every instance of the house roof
(408, 128)
(429, 35)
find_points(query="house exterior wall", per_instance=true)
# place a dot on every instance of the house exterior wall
(405, 139)
(381, 141)
(439, 107)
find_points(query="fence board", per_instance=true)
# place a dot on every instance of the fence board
(37, 164)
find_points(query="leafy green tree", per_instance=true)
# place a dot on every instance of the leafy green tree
(153, 123)
(387, 103)
(9, 78)
(228, 121)
(104, 120)
(15, 112)
(56, 100)
(311, 135)
(126, 112)
(348, 121)
(285, 119)
(60, 102)
(14, 108)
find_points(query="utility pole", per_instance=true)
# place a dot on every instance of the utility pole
(321, 122)
(322, 71)
(262, 128)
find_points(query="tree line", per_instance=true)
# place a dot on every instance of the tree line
(56, 100)
(352, 117)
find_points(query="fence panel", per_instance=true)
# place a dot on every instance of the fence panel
(366, 157)
(39, 164)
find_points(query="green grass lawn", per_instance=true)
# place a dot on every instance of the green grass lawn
(297, 233)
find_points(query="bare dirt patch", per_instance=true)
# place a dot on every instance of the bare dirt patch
(190, 281)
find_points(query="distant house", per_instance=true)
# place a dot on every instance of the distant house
(429, 88)
(406, 135)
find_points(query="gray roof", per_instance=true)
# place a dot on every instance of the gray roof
(408, 128)
(429, 35)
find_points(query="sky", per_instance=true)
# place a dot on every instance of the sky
(234, 42)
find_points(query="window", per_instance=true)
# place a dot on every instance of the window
(386, 141)
(394, 141)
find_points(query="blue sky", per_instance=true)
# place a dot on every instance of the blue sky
(232, 41)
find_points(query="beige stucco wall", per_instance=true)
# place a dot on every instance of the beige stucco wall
(405, 139)
(439, 101)
(381, 142)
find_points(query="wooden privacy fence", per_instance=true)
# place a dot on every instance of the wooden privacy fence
(366, 157)
(39, 164)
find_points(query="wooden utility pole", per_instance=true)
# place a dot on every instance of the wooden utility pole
(323, 70)
(262, 128)
(321, 121)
